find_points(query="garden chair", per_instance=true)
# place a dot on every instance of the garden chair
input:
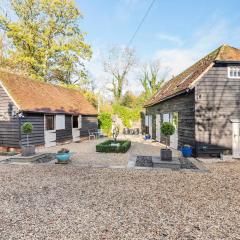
(91, 135)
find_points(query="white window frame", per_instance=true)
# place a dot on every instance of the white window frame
(60, 122)
(146, 120)
(234, 69)
(166, 117)
(80, 121)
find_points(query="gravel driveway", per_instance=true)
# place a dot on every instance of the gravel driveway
(74, 202)
(71, 202)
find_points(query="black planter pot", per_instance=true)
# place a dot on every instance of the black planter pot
(28, 151)
(166, 154)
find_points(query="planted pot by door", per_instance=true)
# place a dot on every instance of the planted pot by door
(166, 154)
(28, 151)
(167, 129)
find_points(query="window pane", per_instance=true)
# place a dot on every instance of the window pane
(166, 117)
(50, 122)
(75, 121)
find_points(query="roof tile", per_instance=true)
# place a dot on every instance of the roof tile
(36, 96)
(185, 79)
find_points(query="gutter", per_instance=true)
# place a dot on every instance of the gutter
(228, 61)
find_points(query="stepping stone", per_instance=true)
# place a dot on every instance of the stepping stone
(174, 164)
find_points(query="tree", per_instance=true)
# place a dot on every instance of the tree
(47, 39)
(129, 100)
(118, 64)
(5, 61)
(27, 129)
(105, 121)
(167, 129)
(150, 78)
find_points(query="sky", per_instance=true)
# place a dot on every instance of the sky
(176, 32)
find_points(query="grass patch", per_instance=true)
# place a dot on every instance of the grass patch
(8, 153)
(107, 147)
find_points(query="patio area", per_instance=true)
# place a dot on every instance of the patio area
(86, 155)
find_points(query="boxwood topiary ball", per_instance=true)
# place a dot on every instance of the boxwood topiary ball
(167, 129)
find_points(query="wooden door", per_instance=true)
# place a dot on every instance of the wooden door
(174, 137)
(50, 131)
(77, 124)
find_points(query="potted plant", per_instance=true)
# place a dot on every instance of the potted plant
(63, 155)
(167, 129)
(187, 150)
(28, 150)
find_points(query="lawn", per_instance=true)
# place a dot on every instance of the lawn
(71, 202)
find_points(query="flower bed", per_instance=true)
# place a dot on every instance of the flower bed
(110, 146)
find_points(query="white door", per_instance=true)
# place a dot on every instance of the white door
(77, 124)
(49, 131)
(236, 139)
(174, 137)
(158, 126)
(150, 124)
(76, 134)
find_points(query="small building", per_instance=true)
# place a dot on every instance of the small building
(58, 114)
(203, 103)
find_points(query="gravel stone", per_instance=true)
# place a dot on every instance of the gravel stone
(44, 201)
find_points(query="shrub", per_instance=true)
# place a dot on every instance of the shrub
(107, 148)
(105, 122)
(167, 129)
(27, 128)
(126, 114)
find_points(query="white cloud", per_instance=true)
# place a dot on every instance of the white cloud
(176, 59)
(213, 34)
(169, 38)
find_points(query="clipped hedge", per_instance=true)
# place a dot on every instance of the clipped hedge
(107, 148)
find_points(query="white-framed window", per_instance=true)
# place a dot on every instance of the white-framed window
(60, 122)
(146, 120)
(80, 121)
(234, 72)
(166, 117)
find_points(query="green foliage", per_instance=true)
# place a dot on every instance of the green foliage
(167, 129)
(91, 97)
(150, 80)
(105, 121)
(106, 146)
(126, 114)
(27, 128)
(47, 41)
(129, 100)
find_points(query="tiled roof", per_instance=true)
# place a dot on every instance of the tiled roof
(36, 96)
(186, 79)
